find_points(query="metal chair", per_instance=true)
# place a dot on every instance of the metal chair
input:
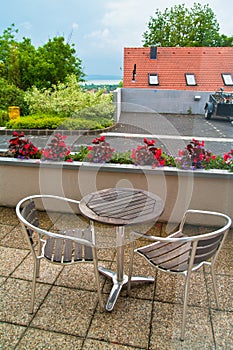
(182, 254)
(63, 247)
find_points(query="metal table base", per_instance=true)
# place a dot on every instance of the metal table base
(117, 285)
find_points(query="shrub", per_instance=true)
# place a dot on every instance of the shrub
(35, 122)
(100, 152)
(21, 147)
(194, 156)
(85, 124)
(102, 110)
(4, 117)
(57, 149)
(65, 99)
(122, 158)
(10, 95)
(148, 154)
(81, 155)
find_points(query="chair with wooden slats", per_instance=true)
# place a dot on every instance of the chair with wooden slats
(63, 247)
(180, 253)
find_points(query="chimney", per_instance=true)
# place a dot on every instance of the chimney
(153, 53)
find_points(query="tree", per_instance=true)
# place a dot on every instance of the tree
(180, 26)
(25, 66)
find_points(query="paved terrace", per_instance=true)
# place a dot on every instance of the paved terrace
(67, 314)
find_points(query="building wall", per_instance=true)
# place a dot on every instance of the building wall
(160, 101)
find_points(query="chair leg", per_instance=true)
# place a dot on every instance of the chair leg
(186, 294)
(215, 286)
(31, 310)
(130, 264)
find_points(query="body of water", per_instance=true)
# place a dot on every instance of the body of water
(102, 80)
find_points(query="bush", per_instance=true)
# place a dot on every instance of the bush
(35, 122)
(21, 147)
(100, 111)
(65, 99)
(10, 95)
(57, 149)
(86, 124)
(4, 117)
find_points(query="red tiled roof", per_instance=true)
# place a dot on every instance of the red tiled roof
(171, 64)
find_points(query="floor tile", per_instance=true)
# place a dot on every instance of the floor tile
(224, 289)
(128, 323)
(80, 276)
(10, 259)
(8, 216)
(15, 299)
(170, 288)
(15, 239)
(92, 344)
(66, 310)
(38, 339)
(48, 271)
(166, 326)
(4, 230)
(223, 329)
(10, 335)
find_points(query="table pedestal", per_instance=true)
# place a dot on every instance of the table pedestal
(117, 285)
(119, 279)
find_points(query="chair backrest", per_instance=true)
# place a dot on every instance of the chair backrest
(180, 252)
(64, 246)
(207, 248)
(65, 250)
(207, 245)
(30, 215)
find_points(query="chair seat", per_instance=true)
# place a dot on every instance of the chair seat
(66, 251)
(172, 256)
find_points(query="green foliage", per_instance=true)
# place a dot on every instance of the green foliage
(35, 122)
(81, 155)
(48, 121)
(107, 88)
(10, 95)
(25, 66)
(85, 124)
(4, 117)
(181, 26)
(122, 158)
(67, 99)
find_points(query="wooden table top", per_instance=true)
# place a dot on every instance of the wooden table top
(121, 206)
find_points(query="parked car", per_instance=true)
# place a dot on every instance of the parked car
(220, 104)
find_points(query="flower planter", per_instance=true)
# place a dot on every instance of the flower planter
(180, 189)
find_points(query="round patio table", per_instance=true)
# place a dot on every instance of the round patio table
(121, 207)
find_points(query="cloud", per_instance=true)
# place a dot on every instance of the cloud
(126, 20)
(75, 25)
(26, 25)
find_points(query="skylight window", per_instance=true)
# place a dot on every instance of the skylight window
(190, 79)
(153, 79)
(227, 78)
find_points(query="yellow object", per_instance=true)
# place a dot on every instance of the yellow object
(14, 112)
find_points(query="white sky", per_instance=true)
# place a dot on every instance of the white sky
(100, 29)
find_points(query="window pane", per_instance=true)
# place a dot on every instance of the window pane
(190, 79)
(153, 79)
(227, 79)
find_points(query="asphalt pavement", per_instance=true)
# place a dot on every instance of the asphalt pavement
(171, 132)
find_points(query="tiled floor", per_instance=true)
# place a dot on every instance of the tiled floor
(67, 314)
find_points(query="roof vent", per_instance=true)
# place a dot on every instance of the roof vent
(153, 53)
